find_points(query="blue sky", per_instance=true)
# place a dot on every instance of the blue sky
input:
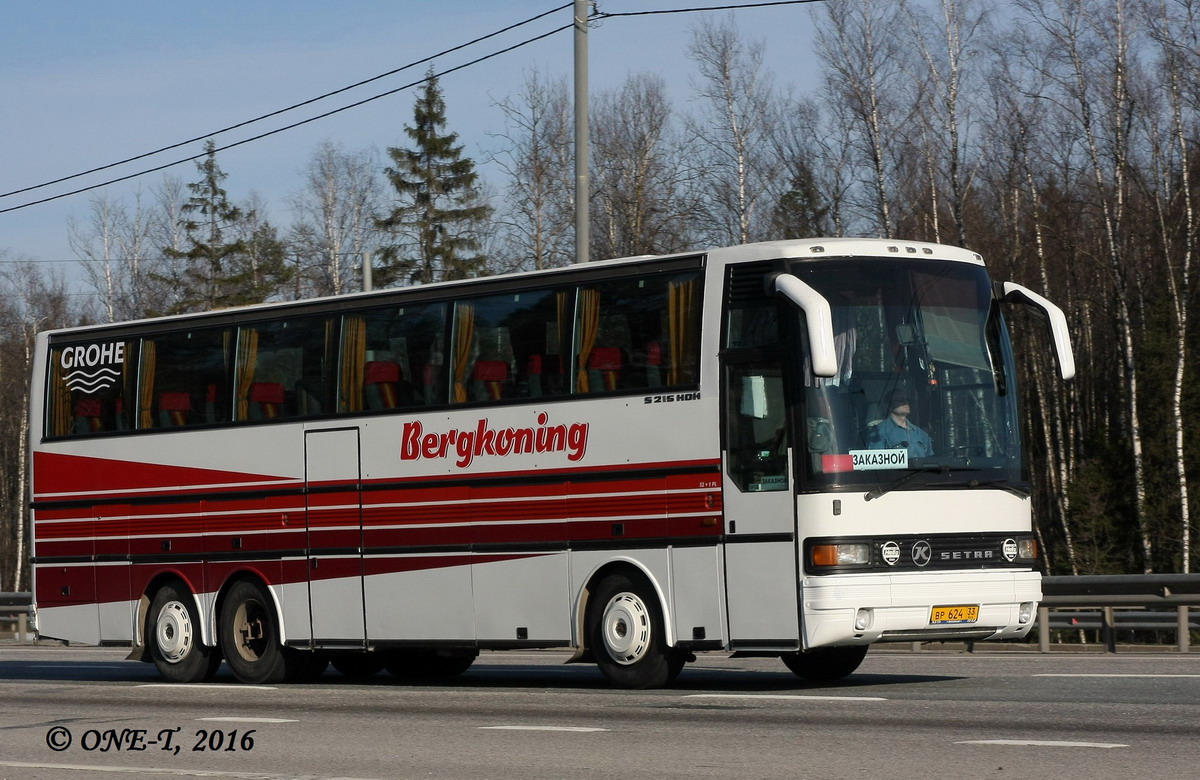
(87, 83)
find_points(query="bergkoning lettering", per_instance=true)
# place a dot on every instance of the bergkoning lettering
(466, 444)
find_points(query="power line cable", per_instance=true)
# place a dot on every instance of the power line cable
(595, 16)
(293, 107)
(602, 15)
(292, 126)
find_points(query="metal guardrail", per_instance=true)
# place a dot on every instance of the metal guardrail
(14, 609)
(1092, 602)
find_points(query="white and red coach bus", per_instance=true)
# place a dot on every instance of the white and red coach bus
(794, 449)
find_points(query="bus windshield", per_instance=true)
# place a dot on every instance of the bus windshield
(922, 389)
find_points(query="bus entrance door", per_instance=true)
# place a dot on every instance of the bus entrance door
(760, 540)
(333, 500)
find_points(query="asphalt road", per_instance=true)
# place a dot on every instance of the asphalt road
(86, 713)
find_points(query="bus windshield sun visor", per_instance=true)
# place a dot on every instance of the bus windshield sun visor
(1056, 320)
(819, 317)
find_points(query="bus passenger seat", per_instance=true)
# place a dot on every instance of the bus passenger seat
(88, 416)
(266, 400)
(174, 409)
(605, 363)
(653, 364)
(210, 404)
(534, 368)
(381, 379)
(492, 374)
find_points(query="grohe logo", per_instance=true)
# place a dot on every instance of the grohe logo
(89, 369)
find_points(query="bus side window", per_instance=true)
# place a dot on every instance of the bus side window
(284, 368)
(87, 396)
(509, 346)
(756, 427)
(392, 358)
(185, 379)
(638, 334)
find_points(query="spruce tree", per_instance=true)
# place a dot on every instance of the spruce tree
(801, 211)
(438, 212)
(231, 258)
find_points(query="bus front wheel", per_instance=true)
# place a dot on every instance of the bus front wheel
(250, 635)
(173, 636)
(626, 636)
(825, 664)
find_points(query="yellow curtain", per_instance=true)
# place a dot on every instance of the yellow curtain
(681, 322)
(562, 307)
(60, 399)
(589, 328)
(247, 360)
(146, 388)
(354, 358)
(464, 337)
(125, 398)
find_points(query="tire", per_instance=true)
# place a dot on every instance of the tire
(250, 635)
(173, 637)
(626, 637)
(425, 665)
(825, 664)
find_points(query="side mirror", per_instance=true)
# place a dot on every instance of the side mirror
(819, 318)
(1055, 318)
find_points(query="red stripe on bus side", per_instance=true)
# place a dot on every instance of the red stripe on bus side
(631, 503)
(81, 476)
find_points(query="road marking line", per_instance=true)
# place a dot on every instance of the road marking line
(251, 720)
(780, 696)
(1041, 743)
(173, 771)
(1122, 676)
(82, 665)
(581, 729)
(208, 686)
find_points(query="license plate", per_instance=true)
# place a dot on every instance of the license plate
(962, 613)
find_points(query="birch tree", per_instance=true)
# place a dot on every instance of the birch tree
(947, 45)
(118, 256)
(537, 159)
(1085, 55)
(736, 169)
(335, 219)
(1173, 28)
(32, 300)
(862, 58)
(1015, 169)
(640, 201)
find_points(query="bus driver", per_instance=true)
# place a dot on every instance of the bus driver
(896, 431)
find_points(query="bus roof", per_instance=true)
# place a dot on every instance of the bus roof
(818, 248)
(794, 249)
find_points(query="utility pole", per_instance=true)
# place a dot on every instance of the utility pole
(582, 227)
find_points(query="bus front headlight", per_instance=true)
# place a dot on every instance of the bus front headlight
(846, 554)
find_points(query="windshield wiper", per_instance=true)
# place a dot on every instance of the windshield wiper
(1003, 484)
(879, 490)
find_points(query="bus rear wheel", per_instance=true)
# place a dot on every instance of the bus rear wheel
(173, 636)
(625, 634)
(825, 664)
(250, 635)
